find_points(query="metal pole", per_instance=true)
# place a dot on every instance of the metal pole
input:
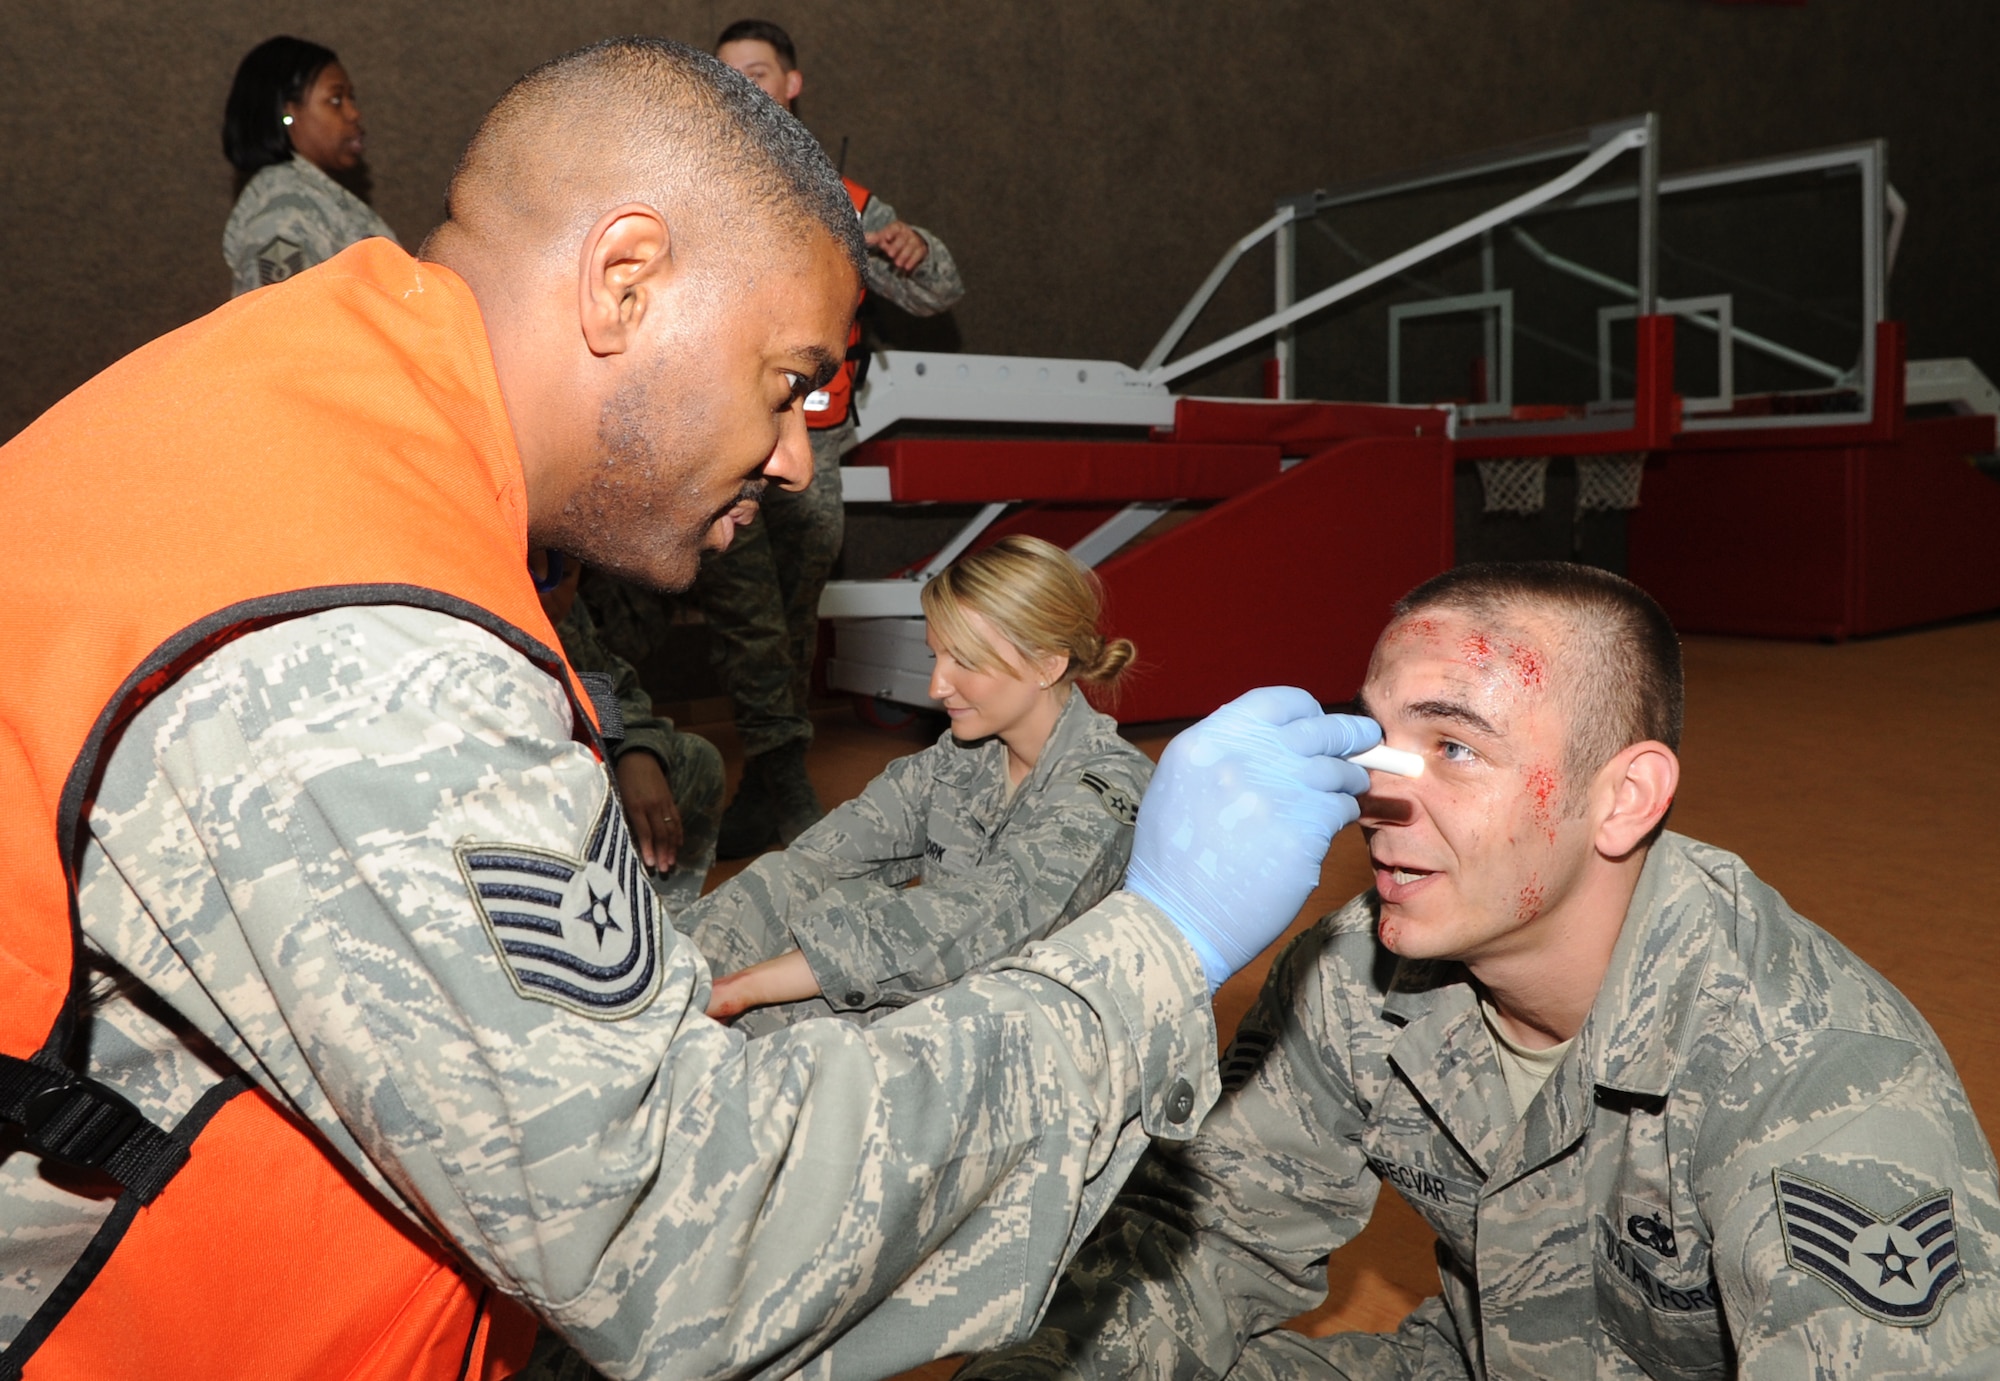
(1284, 273)
(1156, 372)
(1649, 218)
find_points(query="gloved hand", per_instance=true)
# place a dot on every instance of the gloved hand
(1236, 821)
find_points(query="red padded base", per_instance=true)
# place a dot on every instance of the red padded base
(1826, 543)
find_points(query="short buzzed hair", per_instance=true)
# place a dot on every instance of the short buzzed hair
(1620, 660)
(659, 122)
(762, 31)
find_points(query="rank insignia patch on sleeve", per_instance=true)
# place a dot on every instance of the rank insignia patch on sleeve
(582, 933)
(279, 260)
(1118, 802)
(1898, 1269)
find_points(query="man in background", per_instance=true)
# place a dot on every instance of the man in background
(761, 597)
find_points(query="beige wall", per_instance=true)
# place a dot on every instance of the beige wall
(1086, 160)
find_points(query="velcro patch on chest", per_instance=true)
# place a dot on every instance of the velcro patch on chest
(1119, 803)
(1897, 1268)
(582, 933)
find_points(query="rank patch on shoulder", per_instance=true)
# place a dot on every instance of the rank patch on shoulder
(279, 260)
(1118, 802)
(582, 933)
(1897, 1269)
(1244, 1058)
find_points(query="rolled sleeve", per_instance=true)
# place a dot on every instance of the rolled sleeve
(934, 287)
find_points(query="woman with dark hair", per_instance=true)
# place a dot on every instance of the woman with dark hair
(291, 128)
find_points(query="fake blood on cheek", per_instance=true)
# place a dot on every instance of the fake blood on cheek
(1528, 905)
(1543, 786)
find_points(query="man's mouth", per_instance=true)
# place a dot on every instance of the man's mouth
(1396, 882)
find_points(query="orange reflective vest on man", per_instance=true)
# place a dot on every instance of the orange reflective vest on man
(337, 441)
(830, 406)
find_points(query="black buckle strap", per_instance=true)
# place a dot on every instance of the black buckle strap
(80, 1122)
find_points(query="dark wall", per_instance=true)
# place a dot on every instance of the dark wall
(1086, 162)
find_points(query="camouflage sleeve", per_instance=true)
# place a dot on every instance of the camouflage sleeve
(870, 942)
(1855, 1212)
(286, 236)
(585, 648)
(872, 842)
(371, 864)
(1224, 1238)
(935, 285)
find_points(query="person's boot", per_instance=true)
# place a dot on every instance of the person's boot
(749, 824)
(794, 804)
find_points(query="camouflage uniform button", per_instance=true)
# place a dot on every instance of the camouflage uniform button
(1180, 1102)
(855, 999)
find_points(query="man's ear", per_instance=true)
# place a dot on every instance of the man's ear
(795, 82)
(619, 271)
(1631, 795)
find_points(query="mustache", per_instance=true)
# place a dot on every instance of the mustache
(752, 490)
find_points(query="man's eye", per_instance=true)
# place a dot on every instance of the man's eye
(1454, 751)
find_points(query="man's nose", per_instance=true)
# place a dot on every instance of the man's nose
(791, 462)
(1388, 800)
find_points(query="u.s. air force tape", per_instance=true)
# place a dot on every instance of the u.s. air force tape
(582, 933)
(1118, 802)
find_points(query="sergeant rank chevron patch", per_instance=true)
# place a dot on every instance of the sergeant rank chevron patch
(1898, 1269)
(582, 933)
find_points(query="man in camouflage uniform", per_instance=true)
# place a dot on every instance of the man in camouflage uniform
(670, 783)
(761, 596)
(1750, 1156)
(290, 216)
(356, 857)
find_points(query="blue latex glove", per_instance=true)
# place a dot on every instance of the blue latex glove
(1237, 819)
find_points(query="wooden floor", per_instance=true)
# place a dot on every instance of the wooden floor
(1833, 770)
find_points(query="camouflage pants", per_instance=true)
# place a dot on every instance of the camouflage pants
(694, 775)
(632, 620)
(761, 600)
(745, 925)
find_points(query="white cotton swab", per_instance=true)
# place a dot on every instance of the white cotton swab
(1394, 761)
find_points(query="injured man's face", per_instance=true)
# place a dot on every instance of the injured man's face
(1474, 859)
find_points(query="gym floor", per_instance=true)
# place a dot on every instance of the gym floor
(1829, 768)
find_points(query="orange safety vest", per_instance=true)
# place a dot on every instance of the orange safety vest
(829, 406)
(336, 440)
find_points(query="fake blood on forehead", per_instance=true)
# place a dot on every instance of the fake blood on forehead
(1530, 666)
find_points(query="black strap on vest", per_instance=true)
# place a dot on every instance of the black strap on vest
(603, 693)
(80, 1122)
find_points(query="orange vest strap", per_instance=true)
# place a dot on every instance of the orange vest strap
(836, 400)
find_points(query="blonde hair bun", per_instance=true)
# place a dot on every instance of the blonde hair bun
(1039, 597)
